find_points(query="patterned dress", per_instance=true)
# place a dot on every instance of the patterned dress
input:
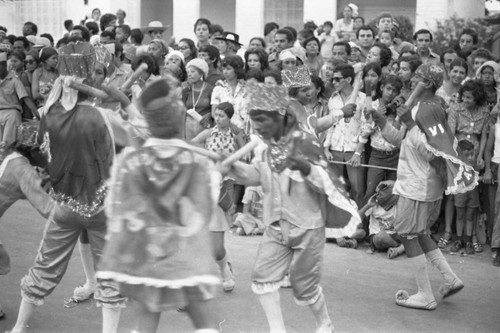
(221, 142)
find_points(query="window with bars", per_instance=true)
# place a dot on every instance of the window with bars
(285, 12)
(48, 15)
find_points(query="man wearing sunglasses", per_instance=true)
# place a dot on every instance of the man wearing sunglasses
(341, 142)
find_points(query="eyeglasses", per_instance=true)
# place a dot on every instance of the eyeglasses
(29, 62)
(184, 48)
(289, 62)
(337, 79)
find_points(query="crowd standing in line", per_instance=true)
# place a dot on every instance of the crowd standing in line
(111, 137)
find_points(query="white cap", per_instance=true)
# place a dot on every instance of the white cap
(287, 54)
(175, 53)
(42, 42)
(32, 39)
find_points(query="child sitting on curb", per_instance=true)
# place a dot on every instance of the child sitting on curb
(249, 222)
(381, 208)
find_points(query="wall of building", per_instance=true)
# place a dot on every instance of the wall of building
(370, 9)
(429, 11)
(221, 12)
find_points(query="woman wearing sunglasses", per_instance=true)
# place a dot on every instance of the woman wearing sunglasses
(31, 62)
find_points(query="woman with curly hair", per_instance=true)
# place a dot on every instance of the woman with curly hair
(233, 90)
(256, 58)
(381, 54)
(158, 50)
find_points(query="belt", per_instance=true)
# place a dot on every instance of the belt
(386, 152)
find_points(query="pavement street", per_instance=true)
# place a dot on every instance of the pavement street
(359, 289)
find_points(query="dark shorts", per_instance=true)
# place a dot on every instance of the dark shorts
(469, 199)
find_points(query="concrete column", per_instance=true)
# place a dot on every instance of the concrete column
(249, 19)
(320, 11)
(186, 12)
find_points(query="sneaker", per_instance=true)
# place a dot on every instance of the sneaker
(347, 243)
(228, 284)
(469, 248)
(478, 248)
(457, 246)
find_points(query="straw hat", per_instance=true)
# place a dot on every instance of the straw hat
(230, 37)
(155, 26)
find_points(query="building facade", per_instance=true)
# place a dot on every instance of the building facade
(245, 17)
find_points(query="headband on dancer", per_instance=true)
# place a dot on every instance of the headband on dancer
(267, 98)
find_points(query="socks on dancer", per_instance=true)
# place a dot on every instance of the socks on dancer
(26, 310)
(453, 283)
(320, 312)
(226, 273)
(224, 268)
(272, 308)
(424, 298)
(110, 319)
(88, 265)
(206, 330)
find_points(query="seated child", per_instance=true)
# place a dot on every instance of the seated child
(249, 222)
(381, 208)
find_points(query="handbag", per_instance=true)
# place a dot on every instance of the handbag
(226, 194)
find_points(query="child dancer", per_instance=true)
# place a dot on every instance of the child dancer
(161, 200)
(294, 189)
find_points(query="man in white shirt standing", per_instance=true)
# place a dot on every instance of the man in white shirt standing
(341, 143)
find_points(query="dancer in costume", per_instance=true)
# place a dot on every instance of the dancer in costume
(161, 201)
(428, 163)
(80, 150)
(298, 192)
(21, 178)
(87, 290)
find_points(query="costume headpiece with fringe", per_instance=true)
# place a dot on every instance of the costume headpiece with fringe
(161, 107)
(296, 78)
(76, 62)
(267, 98)
(103, 55)
(77, 59)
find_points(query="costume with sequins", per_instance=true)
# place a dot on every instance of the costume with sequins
(78, 140)
(161, 200)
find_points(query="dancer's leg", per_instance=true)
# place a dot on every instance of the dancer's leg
(145, 320)
(424, 298)
(26, 310)
(272, 308)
